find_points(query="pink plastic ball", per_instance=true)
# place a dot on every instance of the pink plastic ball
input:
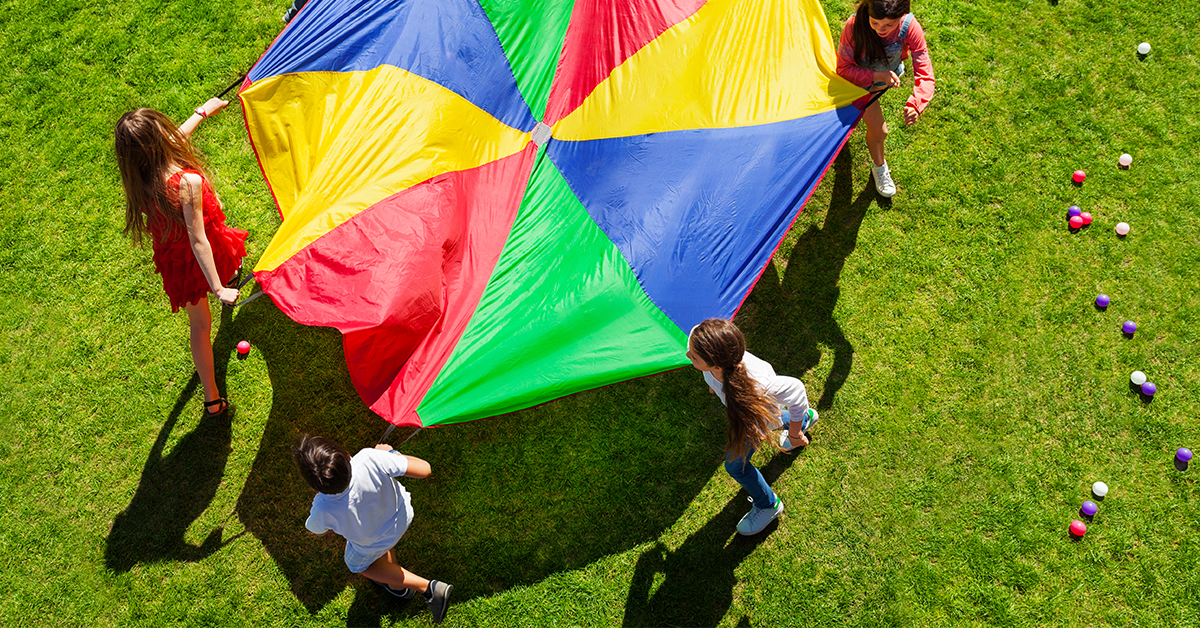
(243, 347)
(1086, 217)
(1075, 222)
(1079, 176)
(1077, 528)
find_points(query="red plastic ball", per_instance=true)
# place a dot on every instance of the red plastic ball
(1075, 222)
(1077, 528)
(243, 347)
(1079, 176)
(1086, 217)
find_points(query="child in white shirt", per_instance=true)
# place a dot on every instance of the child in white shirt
(360, 499)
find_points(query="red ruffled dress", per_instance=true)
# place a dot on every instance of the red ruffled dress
(183, 280)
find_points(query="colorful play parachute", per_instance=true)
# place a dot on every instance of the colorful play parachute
(501, 202)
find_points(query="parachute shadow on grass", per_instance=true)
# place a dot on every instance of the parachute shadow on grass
(176, 488)
(512, 499)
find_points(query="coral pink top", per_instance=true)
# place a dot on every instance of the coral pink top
(914, 47)
(183, 281)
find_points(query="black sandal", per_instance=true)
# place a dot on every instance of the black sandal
(208, 414)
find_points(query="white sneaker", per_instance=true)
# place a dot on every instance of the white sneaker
(810, 419)
(759, 518)
(883, 181)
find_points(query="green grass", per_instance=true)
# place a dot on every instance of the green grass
(970, 393)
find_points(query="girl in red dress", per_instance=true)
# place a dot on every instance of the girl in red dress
(168, 197)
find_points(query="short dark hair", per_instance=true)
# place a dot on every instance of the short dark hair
(324, 464)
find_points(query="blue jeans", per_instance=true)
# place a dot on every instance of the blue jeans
(751, 478)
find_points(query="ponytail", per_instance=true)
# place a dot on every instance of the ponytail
(750, 412)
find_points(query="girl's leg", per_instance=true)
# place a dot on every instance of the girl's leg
(200, 324)
(385, 570)
(877, 131)
(752, 480)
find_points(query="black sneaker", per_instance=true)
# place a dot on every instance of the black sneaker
(401, 593)
(438, 599)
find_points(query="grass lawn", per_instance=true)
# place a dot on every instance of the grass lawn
(969, 391)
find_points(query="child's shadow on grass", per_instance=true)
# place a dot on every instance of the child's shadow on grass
(512, 499)
(786, 319)
(695, 582)
(176, 488)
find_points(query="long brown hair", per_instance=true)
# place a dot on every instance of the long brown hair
(868, 45)
(148, 144)
(751, 413)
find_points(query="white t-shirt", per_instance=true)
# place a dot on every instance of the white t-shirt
(372, 513)
(788, 392)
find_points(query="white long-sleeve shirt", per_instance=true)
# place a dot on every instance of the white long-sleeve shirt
(788, 392)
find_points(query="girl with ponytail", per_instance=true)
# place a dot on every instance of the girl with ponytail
(875, 43)
(757, 401)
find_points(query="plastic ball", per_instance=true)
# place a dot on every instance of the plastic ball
(1075, 222)
(1077, 528)
(1183, 454)
(1086, 218)
(1074, 210)
(1100, 489)
(1103, 300)
(1078, 176)
(1149, 389)
(1138, 378)
(1089, 508)
(1122, 228)
(1125, 160)
(1144, 48)
(1129, 327)
(243, 347)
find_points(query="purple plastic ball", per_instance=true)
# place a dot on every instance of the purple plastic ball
(1183, 454)
(1129, 327)
(1102, 300)
(1074, 210)
(1089, 508)
(1149, 389)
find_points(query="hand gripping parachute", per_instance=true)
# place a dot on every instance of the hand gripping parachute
(501, 202)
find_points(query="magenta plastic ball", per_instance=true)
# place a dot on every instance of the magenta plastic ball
(1129, 327)
(1183, 454)
(1074, 210)
(1102, 300)
(1089, 508)
(243, 347)
(1075, 222)
(1086, 217)
(1078, 176)
(1149, 389)
(1077, 528)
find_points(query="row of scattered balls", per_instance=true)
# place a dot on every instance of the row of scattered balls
(1183, 456)
(1077, 218)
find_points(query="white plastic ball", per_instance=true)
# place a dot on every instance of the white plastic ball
(1100, 489)
(1143, 48)
(1122, 228)
(1125, 160)
(1138, 378)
